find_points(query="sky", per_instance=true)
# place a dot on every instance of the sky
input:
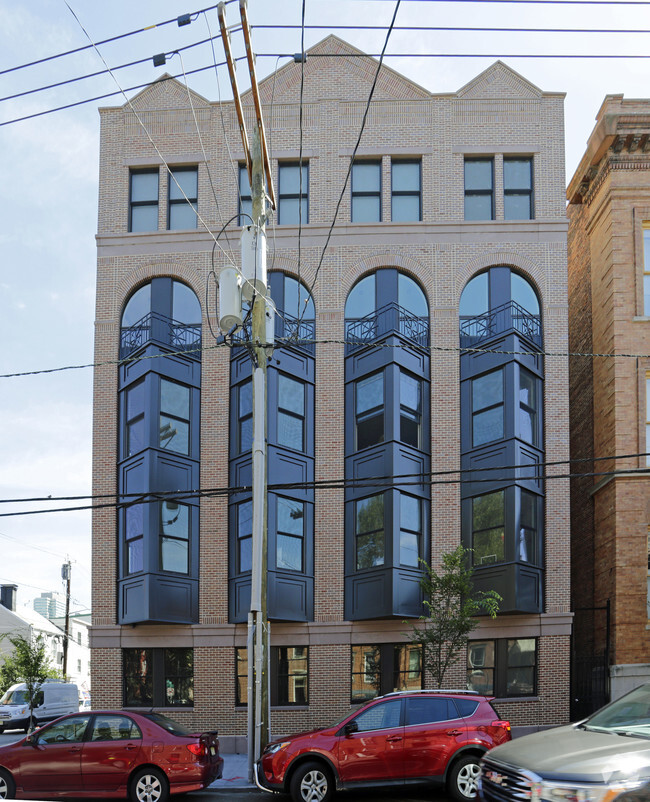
(48, 200)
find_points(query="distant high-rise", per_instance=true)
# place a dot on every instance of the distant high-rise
(51, 605)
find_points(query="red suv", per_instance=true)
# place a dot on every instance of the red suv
(398, 739)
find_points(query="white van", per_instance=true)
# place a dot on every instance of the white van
(53, 699)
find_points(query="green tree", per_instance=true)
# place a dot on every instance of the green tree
(30, 664)
(452, 606)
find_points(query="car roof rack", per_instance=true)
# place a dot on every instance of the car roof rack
(433, 690)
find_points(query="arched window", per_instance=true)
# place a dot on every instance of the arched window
(290, 453)
(159, 403)
(502, 425)
(164, 310)
(387, 432)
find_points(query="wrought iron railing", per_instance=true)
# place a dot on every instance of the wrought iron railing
(390, 318)
(289, 330)
(156, 327)
(498, 321)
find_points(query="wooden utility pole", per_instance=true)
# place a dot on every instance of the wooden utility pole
(66, 571)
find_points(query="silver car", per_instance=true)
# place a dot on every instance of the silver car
(596, 760)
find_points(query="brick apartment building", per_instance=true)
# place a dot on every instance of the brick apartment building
(452, 232)
(609, 303)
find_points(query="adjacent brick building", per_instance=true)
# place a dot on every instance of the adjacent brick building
(451, 232)
(609, 302)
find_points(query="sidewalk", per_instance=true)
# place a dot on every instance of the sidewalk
(235, 772)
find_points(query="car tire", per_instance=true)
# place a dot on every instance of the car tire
(7, 785)
(312, 782)
(149, 785)
(2, 728)
(462, 783)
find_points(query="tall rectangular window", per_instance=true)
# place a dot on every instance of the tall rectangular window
(241, 676)
(244, 537)
(410, 410)
(366, 671)
(245, 197)
(174, 537)
(293, 199)
(244, 417)
(518, 188)
(369, 529)
(410, 535)
(528, 405)
(290, 534)
(183, 198)
(528, 527)
(406, 190)
(289, 675)
(174, 417)
(134, 538)
(135, 435)
(291, 413)
(488, 528)
(479, 189)
(366, 192)
(384, 668)
(646, 269)
(143, 200)
(647, 418)
(369, 411)
(487, 408)
(407, 667)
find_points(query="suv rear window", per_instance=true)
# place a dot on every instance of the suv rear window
(466, 707)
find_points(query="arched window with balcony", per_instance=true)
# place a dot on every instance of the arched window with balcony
(387, 434)
(290, 454)
(158, 452)
(502, 436)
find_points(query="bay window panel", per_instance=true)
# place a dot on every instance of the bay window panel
(410, 410)
(245, 417)
(370, 411)
(527, 407)
(244, 537)
(175, 533)
(527, 550)
(488, 528)
(290, 535)
(370, 532)
(487, 408)
(410, 530)
(291, 413)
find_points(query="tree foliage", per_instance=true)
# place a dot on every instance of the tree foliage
(28, 663)
(452, 606)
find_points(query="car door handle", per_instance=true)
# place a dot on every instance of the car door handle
(74, 749)
(454, 732)
(130, 747)
(392, 738)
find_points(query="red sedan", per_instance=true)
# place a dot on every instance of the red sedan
(146, 756)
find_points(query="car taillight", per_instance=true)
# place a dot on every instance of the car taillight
(505, 725)
(197, 749)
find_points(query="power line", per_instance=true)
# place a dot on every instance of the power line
(431, 348)
(128, 499)
(107, 41)
(356, 148)
(335, 484)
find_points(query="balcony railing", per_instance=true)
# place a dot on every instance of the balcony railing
(497, 321)
(164, 330)
(289, 330)
(390, 318)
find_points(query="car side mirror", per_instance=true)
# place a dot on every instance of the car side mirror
(351, 727)
(30, 740)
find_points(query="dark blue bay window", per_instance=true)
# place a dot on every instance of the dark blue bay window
(290, 453)
(387, 434)
(502, 439)
(159, 404)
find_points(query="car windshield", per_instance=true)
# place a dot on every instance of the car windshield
(629, 715)
(168, 724)
(15, 698)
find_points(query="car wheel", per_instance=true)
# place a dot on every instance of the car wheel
(7, 785)
(312, 782)
(462, 783)
(149, 785)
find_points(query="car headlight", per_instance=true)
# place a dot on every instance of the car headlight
(584, 793)
(271, 749)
